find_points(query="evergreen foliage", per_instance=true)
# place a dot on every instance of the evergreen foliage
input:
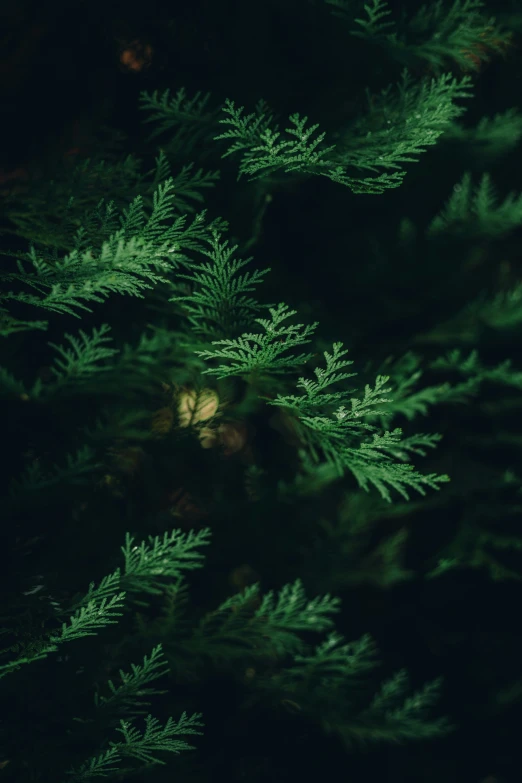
(128, 260)
(476, 212)
(341, 434)
(417, 116)
(440, 33)
(217, 305)
(262, 353)
(334, 666)
(189, 405)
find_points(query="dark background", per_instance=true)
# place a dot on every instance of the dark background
(62, 78)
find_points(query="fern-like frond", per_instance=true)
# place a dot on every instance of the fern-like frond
(376, 22)
(402, 123)
(266, 151)
(156, 738)
(217, 305)
(9, 324)
(188, 123)
(146, 746)
(439, 33)
(45, 213)
(395, 715)
(258, 352)
(268, 625)
(396, 130)
(89, 618)
(491, 137)
(340, 668)
(149, 563)
(476, 212)
(170, 111)
(132, 259)
(100, 766)
(336, 427)
(476, 371)
(188, 183)
(83, 355)
(128, 696)
(410, 399)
